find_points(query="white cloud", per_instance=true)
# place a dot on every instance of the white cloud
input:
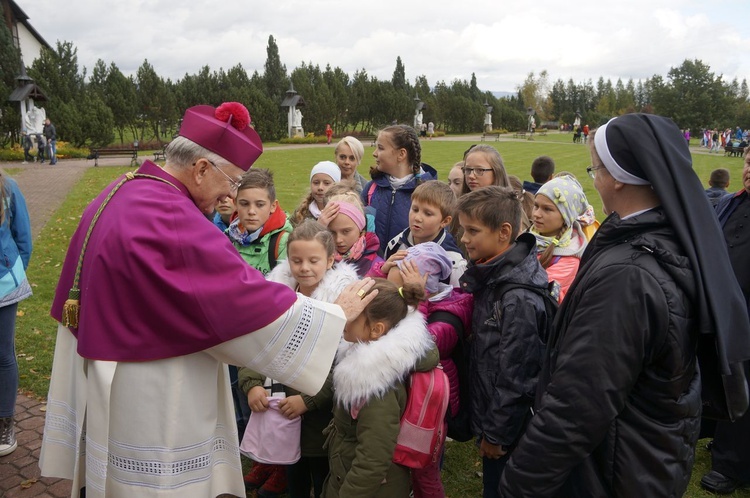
(499, 41)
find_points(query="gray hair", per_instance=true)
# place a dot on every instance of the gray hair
(182, 153)
(355, 145)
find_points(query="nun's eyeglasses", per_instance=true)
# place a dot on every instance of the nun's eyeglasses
(590, 170)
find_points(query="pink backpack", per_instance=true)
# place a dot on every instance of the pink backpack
(423, 423)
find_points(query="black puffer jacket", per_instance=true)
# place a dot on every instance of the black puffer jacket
(506, 350)
(620, 415)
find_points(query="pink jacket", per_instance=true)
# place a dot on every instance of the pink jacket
(564, 272)
(460, 304)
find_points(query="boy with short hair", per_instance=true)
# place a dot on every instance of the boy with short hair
(542, 171)
(261, 228)
(719, 181)
(433, 205)
(506, 349)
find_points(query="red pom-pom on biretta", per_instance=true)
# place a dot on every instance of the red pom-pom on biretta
(238, 113)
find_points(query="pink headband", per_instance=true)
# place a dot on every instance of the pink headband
(353, 212)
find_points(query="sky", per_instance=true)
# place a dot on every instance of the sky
(499, 41)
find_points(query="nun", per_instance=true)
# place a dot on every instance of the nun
(653, 318)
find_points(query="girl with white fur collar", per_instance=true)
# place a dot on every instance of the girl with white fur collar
(309, 269)
(382, 346)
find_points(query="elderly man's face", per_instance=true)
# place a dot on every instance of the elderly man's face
(746, 173)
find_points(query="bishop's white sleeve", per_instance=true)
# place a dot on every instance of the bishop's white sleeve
(297, 349)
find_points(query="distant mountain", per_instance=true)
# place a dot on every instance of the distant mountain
(502, 95)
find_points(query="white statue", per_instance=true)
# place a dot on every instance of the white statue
(488, 120)
(34, 120)
(297, 121)
(419, 120)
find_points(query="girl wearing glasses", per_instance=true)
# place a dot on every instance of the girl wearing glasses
(483, 166)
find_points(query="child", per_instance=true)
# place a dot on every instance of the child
(329, 134)
(506, 350)
(542, 171)
(719, 181)
(347, 224)
(323, 175)
(397, 172)
(431, 261)
(483, 166)
(432, 207)
(261, 229)
(349, 153)
(559, 236)
(382, 346)
(456, 178)
(223, 214)
(309, 269)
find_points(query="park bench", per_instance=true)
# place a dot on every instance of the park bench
(161, 155)
(131, 153)
(368, 139)
(734, 151)
(496, 135)
(542, 133)
(520, 134)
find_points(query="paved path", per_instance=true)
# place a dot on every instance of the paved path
(45, 188)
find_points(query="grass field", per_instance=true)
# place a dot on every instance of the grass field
(291, 165)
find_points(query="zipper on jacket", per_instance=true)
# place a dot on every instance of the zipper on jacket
(390, 211)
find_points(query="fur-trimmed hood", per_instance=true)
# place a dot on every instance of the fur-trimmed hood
(334, 281)
(367, 369)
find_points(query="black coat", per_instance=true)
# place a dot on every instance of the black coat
(621, 411)
(506, 351)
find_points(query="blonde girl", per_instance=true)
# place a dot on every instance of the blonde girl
(349, 152)
(397, 172)
(311, 270)
(559, 237)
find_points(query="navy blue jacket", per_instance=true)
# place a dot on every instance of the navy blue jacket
(392, 206)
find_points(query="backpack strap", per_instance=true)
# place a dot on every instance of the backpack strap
(370, 191)
(548, 297)
(449, 318)
(273, 248)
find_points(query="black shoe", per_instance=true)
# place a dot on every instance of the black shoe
(719, 483)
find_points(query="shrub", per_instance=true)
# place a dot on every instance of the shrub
(309, 139)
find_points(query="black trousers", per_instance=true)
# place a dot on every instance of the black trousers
(731, 450)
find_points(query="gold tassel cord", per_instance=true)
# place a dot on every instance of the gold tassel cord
(72, 307)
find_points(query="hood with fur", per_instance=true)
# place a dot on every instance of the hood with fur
(367, 369)
(333, 282)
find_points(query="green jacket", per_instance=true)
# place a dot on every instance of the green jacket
(361, 441)
(256, 253)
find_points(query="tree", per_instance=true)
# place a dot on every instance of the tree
(693, 96)
(399, 76)
(276, 84)
(10, 67)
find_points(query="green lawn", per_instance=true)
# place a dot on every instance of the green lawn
(36, 330)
